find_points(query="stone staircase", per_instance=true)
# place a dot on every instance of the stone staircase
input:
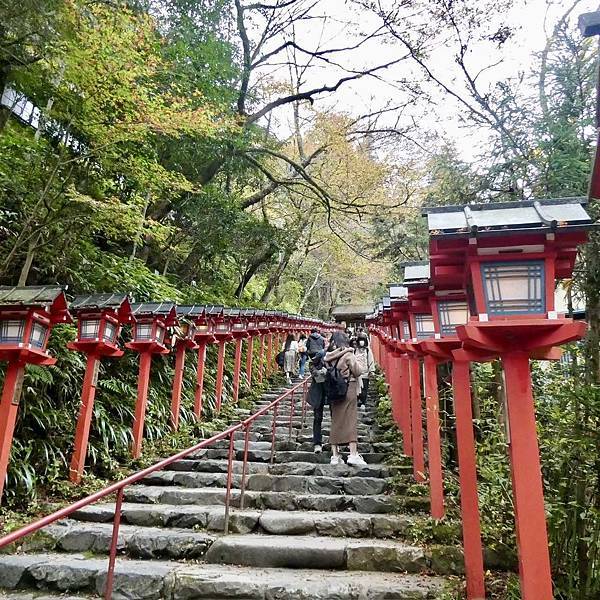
(308, 530)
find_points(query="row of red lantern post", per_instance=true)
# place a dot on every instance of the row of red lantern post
(27, 315)
(487, 292)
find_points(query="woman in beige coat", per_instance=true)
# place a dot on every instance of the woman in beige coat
(344, 414)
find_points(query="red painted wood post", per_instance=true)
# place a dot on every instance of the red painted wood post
(84, 420)
(269, 354)
(9, 407)
(416, 419)
(220, 372)
(467, 473)
(237, 367)
(405, 405)
(140, 405)
(434, 446)
(249, 359)
(177, 385)
(200, 379)
(393, 392)
(530, 516)
(261, 358)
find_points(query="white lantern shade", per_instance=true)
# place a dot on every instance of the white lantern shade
(38, 335)
(12, 332)
(452, 313)
(405, 330)
(110, 332)
(160, 334)
(89, 329)
(425, 326)
(222, 328)
(514, 287)
(143, 332)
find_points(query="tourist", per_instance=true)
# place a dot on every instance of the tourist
(344, 412)
(290, 354)
(317, 397)
(315, 343)
(364, 356)
(302, 353)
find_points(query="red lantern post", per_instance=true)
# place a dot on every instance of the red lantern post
(149, 337)
(222, 333)
(204, 336)
(184, 339)
(510, 256)
(399, 307)
(100, 318)
(252, 328)
(27, 315)
(239, 333)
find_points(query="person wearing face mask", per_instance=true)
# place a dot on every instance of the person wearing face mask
(364, 357)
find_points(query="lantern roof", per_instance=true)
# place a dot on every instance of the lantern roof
(166, 310)
(117, 302)
(190, 310)
(416, 273)
(248, 312)
(557, 214)
(49, 297)
(214, 310)
(231, 312)
(398, 292)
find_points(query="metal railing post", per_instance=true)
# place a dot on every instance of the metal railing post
(244, 465)
(292, 407)
(273, 427)
(113, 546)
(229, 478)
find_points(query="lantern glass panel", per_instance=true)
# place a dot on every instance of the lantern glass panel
(239, 326)
(405, 330)
(514, 288)
(452, 314)
(425, 328)
(160, 334)
(203, 328)
(191, 331)
(38, 335)
(89, 329)
(12, 331)
(223, 327)
(110, 332)
(143, 332)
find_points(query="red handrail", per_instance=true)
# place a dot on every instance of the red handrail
(119, 487)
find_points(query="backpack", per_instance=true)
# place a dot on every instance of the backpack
(280, 359)
(336, 385)
(313, 346)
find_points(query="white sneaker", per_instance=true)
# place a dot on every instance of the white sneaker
(336, 460)
(318, 449)
(357, 460)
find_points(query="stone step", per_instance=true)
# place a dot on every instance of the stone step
(306, 552)
(274, 522)
(283, 456)
(138, 542)
(379, 504)
(262, 482)
(146, 580)
(291, 445)
(41, 596)
(296, 468)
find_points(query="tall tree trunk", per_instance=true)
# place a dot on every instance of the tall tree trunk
(275, 275)
(26, 268)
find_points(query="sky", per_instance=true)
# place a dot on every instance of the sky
(531, 21)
